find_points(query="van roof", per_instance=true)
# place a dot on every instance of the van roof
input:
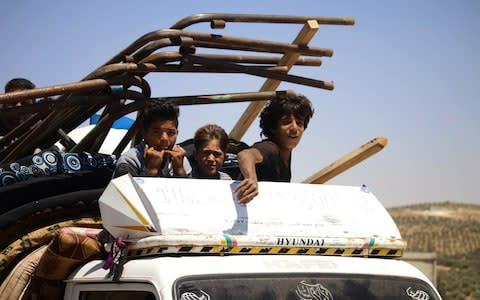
(160, 216)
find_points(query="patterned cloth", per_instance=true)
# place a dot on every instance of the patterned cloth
(53, 162)
(68, 250)
(14, 286)
(39, 237)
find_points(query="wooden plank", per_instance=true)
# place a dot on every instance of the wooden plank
(348, 161)
(246, 119)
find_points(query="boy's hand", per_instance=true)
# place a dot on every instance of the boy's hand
(153, 159)
(177, 154)
(246, 190)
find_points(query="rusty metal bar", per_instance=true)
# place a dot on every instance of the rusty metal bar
(200, 99)
(72, 111)
(77, 87)
(259, 45)
(263, 73)
(305, 35)
(219, 41)
(32, 137)
(127, 138)
(107, 120)
(155, 35)
(79, 115)
(143, 69)
(146, 54)
(44, 133)
(150, 48)
(112, 112)
(93, 140)
(97, 91)
(104, 125)
(65, 140)
(253, 18)
(248, 59)
(22, 110)
(128, 81)
(225, 98)
(18, 131)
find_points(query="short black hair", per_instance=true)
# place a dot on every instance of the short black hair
(298, 105)
(160, 110)
(18, 84)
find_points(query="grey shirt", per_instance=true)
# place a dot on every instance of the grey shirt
(132, 162)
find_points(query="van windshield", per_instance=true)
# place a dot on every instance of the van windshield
(303, 287)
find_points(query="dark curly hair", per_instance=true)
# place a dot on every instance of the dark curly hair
(160, 110)
(298, 105)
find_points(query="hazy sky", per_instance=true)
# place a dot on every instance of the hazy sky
(407, 70)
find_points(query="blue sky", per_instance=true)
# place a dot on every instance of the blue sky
(408, 70)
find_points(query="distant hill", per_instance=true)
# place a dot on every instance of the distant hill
(446, 228)
(452, 230)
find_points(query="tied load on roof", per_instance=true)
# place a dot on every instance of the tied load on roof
(165, 216)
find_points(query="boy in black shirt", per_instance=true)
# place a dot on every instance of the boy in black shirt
(283, 122)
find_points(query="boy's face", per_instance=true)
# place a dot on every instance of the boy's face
(289, 131)
(209, 158)
(161, 135)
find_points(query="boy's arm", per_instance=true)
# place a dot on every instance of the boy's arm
(125, 168)
(130, 163)
(247, 189)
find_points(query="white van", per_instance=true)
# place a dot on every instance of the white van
(294, 241)
(254, 277)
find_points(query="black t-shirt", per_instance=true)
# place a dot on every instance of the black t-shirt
(272, 168)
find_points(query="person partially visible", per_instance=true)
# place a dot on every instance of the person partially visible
(283, 122)
(16, 85)
(210, 143)
(157, 154)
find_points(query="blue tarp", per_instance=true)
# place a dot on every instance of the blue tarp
(122, 123)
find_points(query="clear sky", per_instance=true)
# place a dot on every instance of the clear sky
(408, 70)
